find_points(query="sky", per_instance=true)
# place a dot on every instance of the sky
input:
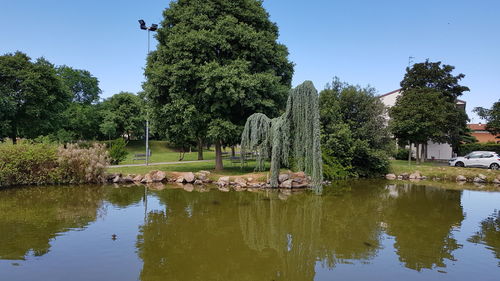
(362, 42)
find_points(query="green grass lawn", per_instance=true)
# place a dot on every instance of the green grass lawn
(161, 152)
(440, 170)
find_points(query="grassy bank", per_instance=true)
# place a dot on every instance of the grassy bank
(440, 170)
(161, 152)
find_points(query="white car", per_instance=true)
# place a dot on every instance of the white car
(477, 159)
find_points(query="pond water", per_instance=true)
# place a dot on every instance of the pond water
(358, 230)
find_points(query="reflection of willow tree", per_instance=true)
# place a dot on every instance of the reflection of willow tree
(489, 234)
(421, 221)
(124, 196)
(249, 236)
(31, 217)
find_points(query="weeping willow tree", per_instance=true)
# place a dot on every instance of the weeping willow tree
(294, 135)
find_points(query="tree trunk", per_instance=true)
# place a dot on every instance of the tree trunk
(13, 135)
(208, 146)
(418, 153)
(424, 152)
(409, 155)
(181, 154)
(233, 152)
(218, 156)
(200, 149)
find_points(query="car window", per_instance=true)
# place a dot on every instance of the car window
(475, 155)
(487, 155)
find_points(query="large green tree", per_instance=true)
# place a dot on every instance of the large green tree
(32, 97)
(221, 60)
(492, 117)
(122, 116)
(354, 137)
(439, 78)
(83, 86)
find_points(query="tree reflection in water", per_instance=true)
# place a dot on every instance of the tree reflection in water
(489, 234)
(31, 217)
(257, 236)
(421, 220)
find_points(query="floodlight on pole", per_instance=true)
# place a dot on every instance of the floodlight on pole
(153, 27)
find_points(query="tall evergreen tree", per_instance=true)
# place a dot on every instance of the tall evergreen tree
(221, 60)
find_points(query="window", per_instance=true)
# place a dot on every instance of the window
(487, 155)
(475, 155)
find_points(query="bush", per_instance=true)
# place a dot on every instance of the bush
(402, 154)
(82, 165)
(333, 168)
(26, 163)
(42, 163)
(117, 151)
(368, 162)
(464, 149)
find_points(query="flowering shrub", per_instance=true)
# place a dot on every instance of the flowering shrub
(82, 165)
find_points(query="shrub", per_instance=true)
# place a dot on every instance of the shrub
(117, 151)
(402, 154)
(333, 168)
(464, 149)
(82, 165)
(26, 163)
(368, 162)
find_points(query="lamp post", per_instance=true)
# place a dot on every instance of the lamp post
(153, 27)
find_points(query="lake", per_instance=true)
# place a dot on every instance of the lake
(356, 230)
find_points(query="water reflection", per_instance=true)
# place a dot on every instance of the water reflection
(31, 217)
(259, 236)
(421, 220)
(489, 234)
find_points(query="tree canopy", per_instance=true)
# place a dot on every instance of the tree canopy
(83, 86)
(32, 96)
(220, 59)
(492, 117)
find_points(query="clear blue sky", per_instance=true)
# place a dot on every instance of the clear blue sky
(362, 42)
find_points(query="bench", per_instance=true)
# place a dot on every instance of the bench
(237, 159)
(140, 156)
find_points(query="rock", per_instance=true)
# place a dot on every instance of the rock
(238, 188)
(180, 180)
(204, 172)
(301, 175)
(249, 179)
(496, 181)
(481, 176)
(117, 179)
(390, 176)
(128, 179)
(200, 176)
(300, 185)
(111, 177)
(241, 182)
(461, 178)
(283, 177)
(223, 181)
(158, 176)
(189, 177)
(405, 176)
(415, 176)
(400, 177)
(479, 180)
(198, 182)
(223, 189)
(286, 184)
(148, 178)
(138, 178)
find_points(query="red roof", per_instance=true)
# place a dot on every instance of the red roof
(477, 127)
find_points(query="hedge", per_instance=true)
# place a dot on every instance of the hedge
(464, 149)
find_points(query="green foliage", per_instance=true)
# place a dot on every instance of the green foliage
(32, 97)
(216, 60)
(83, 86)
(117, 151)
(492, 117)
(122, 116)
(353, 127)
(432, 78)
(465, 149)
(44, 163)
(402, 154)
(26, 163)
(294, 135)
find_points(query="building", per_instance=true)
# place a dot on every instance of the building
(435, 151)
(482, 135)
